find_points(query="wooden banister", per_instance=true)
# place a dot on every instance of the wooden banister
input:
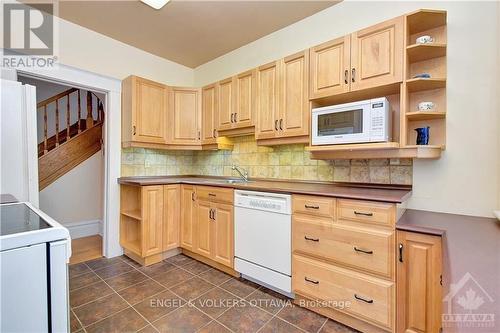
(89, 120)
(56, 97)
(57, 122)
(68, 116)
(79, 112)
(45, 150)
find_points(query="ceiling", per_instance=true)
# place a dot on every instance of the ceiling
(188, 32)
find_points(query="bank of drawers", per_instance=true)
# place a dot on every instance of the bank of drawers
(215, 194)
(345, 250)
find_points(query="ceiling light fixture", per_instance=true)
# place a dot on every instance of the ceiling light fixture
(156, 4)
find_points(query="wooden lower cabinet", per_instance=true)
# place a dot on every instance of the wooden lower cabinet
(188, 217)
(419, 290)
(152, 217)
(204, 228)
(172, 216)
(223, 234)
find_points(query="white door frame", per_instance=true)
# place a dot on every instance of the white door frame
(112, 144)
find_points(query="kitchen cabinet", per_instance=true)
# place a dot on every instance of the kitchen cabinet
(209, 113)
(185, 116)
(214, 231)
(144, 111)
(329, 68)
(188, 217)
(204, 228)
(282, 100)
(237, 104)
(152, 218)
(268, 82)
(377, 55)
(419, 290)
(171, 218)
(368, 58)
(223, 234)
(226, 104)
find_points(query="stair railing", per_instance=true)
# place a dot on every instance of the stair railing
(89, 120)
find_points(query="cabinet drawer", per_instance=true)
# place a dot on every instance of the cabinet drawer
(215, 194)
(366, 249)
(313, 205)
(370, 299)
(376, 213)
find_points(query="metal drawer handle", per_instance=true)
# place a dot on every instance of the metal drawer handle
(311, 239)
(235, 117)
(210, 214)
(232, 114)
(276, 124)
(362, 251)
(353, 74)
(281, 124)
(400, 252)
(213, 214)
(311, 207)
(212, 195)
(369, 301)
(133, 130)
(346, 73)
(311, 281)
(192, 196)
(364, 214)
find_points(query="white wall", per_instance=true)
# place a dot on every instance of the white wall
(86, 49)
(466, 178)
(78, 195)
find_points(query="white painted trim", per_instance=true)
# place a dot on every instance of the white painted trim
(81, 229)
(112, 143)
(31, 144)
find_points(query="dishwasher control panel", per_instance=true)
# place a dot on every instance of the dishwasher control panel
(272, 202)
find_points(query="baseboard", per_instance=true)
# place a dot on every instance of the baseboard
(81, 229)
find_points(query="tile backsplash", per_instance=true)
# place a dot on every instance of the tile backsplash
(283, 162)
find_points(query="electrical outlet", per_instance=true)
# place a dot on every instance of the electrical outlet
(394, 161)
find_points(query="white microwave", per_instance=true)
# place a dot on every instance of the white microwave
(357, 122)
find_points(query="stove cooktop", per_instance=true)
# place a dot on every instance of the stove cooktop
(18, 218)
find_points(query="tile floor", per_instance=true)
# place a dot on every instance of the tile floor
(180, 294)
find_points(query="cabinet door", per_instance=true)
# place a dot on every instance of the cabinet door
(188, 217)
(185, 106)
(330, 68)
(171, 219)
(226, 104)
(245, 99)
(204, 228)
(294, 108)
(152, 219)
(267, 112)
(418, 282)
(377, 55)
(223, 244)
(149, 111)
(208, 114)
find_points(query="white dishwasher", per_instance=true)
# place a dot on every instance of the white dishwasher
(262, 238)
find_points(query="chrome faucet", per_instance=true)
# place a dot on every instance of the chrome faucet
(243, 173)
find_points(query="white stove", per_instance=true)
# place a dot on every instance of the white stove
(34, 256)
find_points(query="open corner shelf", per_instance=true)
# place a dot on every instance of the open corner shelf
(425, 115)
(420, 52)
(419, 84)
(425, 19)
(135, 214)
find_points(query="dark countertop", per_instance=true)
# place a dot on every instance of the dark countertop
(351, 191)
(471, 248)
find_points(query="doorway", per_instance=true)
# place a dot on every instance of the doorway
(71, 164)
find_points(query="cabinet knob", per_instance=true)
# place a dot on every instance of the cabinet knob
(353, 75)
(215, 133)
(276, 124)
(400, 252)
(281, 124)
(232, 117)
(133, 130)
(346, 73)
(235, 117)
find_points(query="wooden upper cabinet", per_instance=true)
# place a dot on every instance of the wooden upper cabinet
(330, 65)
(223, 235)
(245, 100)
(144, 111)
(226, 104)
(419, 290)
(184, 116)
(188, 217)
(377, 55)
(268, 82)
(294, 108)
(171, 219)
(209, 114)
(152, 220)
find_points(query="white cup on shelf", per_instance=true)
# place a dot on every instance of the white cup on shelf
(426, 39)
(426, 106)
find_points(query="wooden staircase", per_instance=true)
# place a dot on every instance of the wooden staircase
(73, 144)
